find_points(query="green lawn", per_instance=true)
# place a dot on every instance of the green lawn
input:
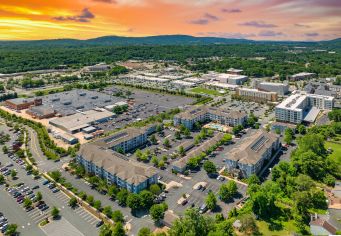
(205, 91)
(336, 150)
(288, 229)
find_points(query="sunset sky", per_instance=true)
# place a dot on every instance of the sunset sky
(252, 19)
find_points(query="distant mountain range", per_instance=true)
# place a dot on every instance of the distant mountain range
(154, 40)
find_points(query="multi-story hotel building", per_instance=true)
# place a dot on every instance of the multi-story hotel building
(302, 106)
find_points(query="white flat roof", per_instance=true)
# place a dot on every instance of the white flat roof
(181, 82)
(222, 85)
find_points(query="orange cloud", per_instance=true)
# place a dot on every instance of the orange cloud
(36, 19)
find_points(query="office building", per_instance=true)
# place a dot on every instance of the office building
(204, 114)
(115, 169)
(23, 103)
(256, 95)
(249, 157)
(279, 88)
(302, 106)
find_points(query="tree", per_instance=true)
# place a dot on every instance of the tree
(211, 201)
(5, 149)
(236, 129)
(39, 196)
(27, 202)
(97, 204)
(159, 128)
(157, 212)
(144, 232)
(288, 136)
(134, 201)
(182, 151)
(54, 212)
(153, 139)
(166, 143)
(105, 230)
(301, 129)
(13, 174)
(227, 191)
(193, 163)
(177, 135)
(226, 138)
(117, 216)
(209, 167)
(312, 142)
(249, 225)
(335, 114)
(278, 131)
(122, 196)
(73, 202)
(155, 161)
(118, 230)
(192, 224)
(2, 179)
(147, 199)
(187, 133)
(56, 175)
(161, 164)
(11, 229)
(90, 200)
(155, 189)
(107, 211)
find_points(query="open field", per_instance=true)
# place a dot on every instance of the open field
(288, 229)
(205, 91)
(336, 147)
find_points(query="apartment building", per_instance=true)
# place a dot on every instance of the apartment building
(256, 95)
(127, 139)
(249, 157)
(204, 114)
(115, 169)
(302, 106)
(279, 88)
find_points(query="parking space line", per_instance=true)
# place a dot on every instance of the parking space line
(87, 217)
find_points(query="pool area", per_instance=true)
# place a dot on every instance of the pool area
(219, 127)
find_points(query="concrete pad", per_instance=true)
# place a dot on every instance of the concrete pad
(61, 227)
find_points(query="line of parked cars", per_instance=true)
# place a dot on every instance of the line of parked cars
(3, 223)
(22, 192)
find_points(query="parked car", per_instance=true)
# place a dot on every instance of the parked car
(99, 224)
(203, 208)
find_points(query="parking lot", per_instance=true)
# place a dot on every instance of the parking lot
(29, 218)
(144, 105)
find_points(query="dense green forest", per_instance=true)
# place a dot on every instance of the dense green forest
(276, 58)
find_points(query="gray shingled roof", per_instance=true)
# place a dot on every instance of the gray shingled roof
(130, 171)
